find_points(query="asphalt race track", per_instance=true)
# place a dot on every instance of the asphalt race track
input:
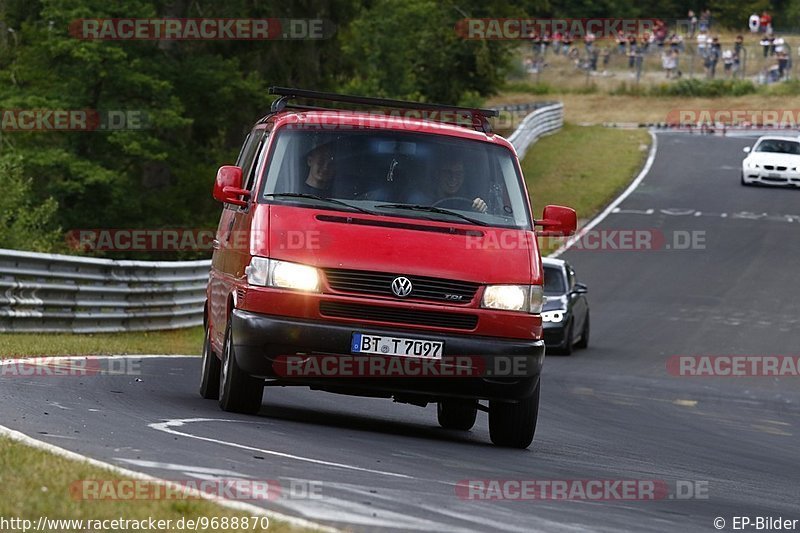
(612, 412)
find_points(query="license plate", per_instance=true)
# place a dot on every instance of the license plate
(773, 175)
(375, 344)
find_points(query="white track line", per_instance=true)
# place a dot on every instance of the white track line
(618, 200)
(167, 426)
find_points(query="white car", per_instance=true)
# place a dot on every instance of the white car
(773, 160)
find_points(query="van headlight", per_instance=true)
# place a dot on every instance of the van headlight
(525, 298)
(553, 316)
(265, 272)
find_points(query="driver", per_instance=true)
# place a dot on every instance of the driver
(450, 179)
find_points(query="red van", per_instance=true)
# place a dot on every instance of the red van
(388, 254)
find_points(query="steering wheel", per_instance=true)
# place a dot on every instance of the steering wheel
(458, 201)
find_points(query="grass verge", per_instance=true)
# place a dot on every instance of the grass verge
(38, 484)
(599, 108)
(583, 167)
(186, 341)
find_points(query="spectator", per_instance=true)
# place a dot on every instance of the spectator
(632, 50)
(557, 43)
(536, 43)
(783, 63)
(644, 43)
(588, 42)
(765, 22)
(738, 50)
(754, 22)
(692, 23)
(702, 43)
(705, 20)
(727, 61)
(669, 61)
(712, 58)
(766, 44)
(677, 62)
(566, 42)
(676, 42)
(622, 43)
(778, 45)
(738, 45)
(660, 33)
(594, 54)
(545, 42)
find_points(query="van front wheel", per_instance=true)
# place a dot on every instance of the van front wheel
(239, 392)
(512, 425)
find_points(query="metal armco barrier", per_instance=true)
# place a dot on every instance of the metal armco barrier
(544, 120)
(64, 293)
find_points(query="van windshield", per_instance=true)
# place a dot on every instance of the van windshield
(397, 173)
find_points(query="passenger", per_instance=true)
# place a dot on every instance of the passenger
(320, 171)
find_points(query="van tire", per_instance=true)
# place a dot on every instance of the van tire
(512, 425)
(209, 377)
(457, 414)
(239, 392)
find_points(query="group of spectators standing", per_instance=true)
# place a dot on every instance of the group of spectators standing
(588, 53)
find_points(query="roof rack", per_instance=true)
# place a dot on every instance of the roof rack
(479, 117)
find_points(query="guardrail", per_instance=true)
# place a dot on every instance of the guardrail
(548, 118)
(64, 293)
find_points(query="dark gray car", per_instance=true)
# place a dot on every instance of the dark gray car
(565, 315)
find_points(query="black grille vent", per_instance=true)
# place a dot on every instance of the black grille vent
(399, 315)
(424, 288)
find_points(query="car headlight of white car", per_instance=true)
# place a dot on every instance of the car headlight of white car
(265, 272)
(525, 298)
(556, 315)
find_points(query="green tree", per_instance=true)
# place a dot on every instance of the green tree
(26, 221)
(411, 50)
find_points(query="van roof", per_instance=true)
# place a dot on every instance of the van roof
(350, 120)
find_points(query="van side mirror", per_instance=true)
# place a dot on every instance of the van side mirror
(228, 186)
(558, 221)
(746, 149)
(580, 288)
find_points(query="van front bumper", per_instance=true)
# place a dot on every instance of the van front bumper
(501, 369)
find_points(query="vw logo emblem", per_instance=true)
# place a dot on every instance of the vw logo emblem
(401, 286)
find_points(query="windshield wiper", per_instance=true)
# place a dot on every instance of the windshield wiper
(320, 198)
(431, 209)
